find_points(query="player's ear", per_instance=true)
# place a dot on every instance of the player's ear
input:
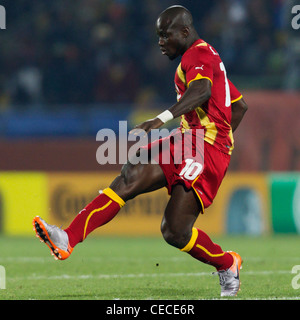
(185, 31)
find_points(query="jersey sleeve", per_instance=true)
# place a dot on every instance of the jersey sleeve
(197, 64)
(235, 95)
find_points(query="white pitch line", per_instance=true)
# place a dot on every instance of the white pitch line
(23, 259)
(135, 275)
(26, 259)
(91, 259)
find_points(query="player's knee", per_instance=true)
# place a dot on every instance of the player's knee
(175, 236)
(127, 182)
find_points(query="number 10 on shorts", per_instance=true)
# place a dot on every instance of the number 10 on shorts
(191, 170)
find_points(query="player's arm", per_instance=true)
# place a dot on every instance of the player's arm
(198, 92)
(238, 106)
(238, 109)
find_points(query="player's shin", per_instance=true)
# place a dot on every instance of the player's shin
(203, 249)
(97, 213)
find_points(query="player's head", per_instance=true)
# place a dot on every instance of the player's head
(175, 30)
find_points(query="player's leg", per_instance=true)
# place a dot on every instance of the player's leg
(177, 229)
(133, 180)
(138, 179)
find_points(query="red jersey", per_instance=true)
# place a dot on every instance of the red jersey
(201, 61)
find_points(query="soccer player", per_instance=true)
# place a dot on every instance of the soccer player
(207, 100)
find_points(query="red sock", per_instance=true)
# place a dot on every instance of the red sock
(202, 248)
(97, 213)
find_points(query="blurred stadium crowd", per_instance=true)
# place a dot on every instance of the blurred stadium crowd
(69, 69)
(90, 51)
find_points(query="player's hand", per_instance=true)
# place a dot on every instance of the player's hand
(147, 126)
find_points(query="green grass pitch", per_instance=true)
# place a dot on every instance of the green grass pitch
(145, 268)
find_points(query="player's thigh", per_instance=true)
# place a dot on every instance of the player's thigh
(137, 179)
(180, 215)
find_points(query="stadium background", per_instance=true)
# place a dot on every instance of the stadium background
(69, 70)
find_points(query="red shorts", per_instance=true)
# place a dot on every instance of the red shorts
(203, 171)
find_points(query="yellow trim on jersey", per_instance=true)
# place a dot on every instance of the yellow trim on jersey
(90, 215)
(198, 77)
(230, 134)
(239, 98)
(203, 44)
(192, 241)
(211, 129)
(184, 124)
(181, 74)
(198, 194)
(209, 253)
(232, 142)
(111, 194)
